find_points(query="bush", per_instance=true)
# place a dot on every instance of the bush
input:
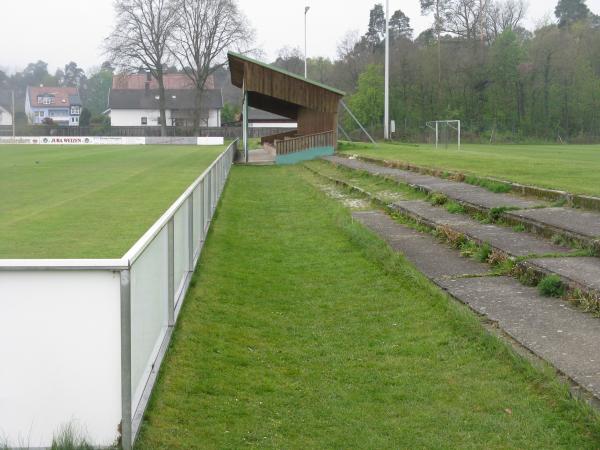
(551, 286)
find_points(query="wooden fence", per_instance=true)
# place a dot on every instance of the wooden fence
(286, 146)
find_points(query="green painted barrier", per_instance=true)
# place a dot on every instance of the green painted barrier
(312, 153)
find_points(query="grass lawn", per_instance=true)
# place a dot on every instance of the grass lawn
(573, 168)
(302, 330)
(89, 201)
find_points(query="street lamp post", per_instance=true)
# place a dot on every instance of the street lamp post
(306, 8)
(386, 113)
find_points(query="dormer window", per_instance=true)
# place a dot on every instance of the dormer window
(75, 110)
(45, 99)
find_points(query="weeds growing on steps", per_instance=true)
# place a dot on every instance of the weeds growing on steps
(551, 286)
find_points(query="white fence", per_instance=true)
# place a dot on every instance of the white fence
(81, 341)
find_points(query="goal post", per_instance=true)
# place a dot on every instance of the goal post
(442, 130)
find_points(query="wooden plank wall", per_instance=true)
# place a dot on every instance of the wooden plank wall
(274, 84)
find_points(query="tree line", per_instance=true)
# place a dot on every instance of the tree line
(477, 63)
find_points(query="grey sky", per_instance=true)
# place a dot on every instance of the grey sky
(59, 31)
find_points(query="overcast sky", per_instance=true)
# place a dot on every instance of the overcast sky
(58, 31)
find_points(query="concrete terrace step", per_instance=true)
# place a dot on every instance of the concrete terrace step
(575, 224)
(582, 272)
(552, 329)
(508, 241)
(474, 196)
(423, 250)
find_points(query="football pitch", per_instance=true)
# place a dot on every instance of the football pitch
(573, 168)
(89, 201)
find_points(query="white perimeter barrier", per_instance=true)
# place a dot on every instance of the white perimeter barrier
(106, 140)
(81, 341)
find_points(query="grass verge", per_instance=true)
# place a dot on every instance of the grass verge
(303, 330)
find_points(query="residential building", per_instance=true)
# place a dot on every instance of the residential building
(134, 101)
(61, 104)
(6, 118)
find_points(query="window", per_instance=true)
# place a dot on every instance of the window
(144, 121)
(75, 110)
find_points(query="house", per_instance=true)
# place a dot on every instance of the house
(61, 104)
(6, 108)
(134, 101)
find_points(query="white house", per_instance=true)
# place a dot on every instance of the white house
(6, 117)
(61, 104)
(139, 107)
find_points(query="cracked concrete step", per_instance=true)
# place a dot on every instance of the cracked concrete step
(552, 329)
(504, 239)
(474, 196)
(582, 271)
(423, 250)
(576, 222)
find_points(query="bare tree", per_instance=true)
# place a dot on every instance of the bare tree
(139, 41)
(206, 30)
(466, 19)
(505, 15)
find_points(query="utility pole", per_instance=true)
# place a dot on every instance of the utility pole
(13, 114)
(386, 114)
(306, 8)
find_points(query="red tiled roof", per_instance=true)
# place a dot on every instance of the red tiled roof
(172, 81)
(61, 95)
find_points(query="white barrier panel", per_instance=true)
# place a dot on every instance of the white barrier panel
(105, 140)
(74, 140)
(60, 347)
(211, 141)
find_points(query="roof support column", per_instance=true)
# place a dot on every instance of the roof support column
(245, 124)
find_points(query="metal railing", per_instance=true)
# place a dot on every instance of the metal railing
(301, 143)
(111, 320)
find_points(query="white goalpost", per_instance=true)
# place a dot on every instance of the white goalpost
(442, 131)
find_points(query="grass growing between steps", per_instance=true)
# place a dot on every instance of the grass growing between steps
(383, 188)
(303, 330)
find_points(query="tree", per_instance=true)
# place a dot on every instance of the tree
(73, 75)
(439, 8)
(96, 89)
(367, 102)
(505, 15)
(400, 26)
(376, 31)
(205, 30)
(290, 59)
(570, 11)
(140, 41)
(85, 117)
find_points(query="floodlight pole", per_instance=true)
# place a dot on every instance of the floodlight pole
(386, 114)
(306, 8)
(13, 114)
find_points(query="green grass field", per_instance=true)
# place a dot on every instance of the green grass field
(574, 168)
(303, 330)
(89, 201)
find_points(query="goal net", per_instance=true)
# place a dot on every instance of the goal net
(444, 133)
